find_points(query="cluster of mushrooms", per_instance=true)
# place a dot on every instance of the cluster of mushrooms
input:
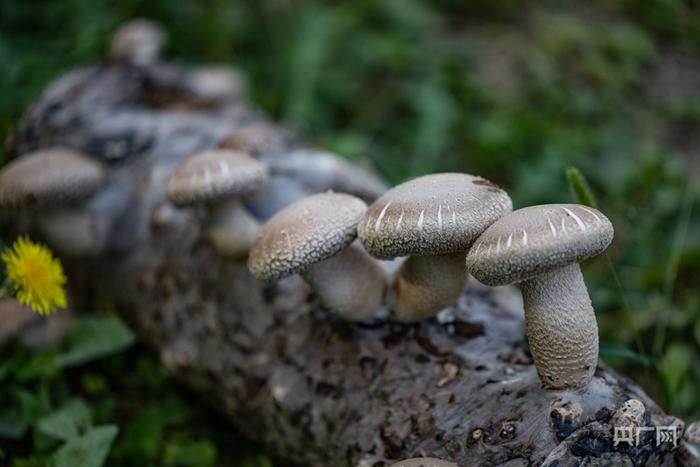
(438, 222)
(446, 225)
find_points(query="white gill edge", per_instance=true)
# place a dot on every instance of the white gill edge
(592, 213)
(578, 220)
(398, 222)
(381, 216)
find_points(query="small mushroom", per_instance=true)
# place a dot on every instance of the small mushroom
(424, 462)
(259, 139)
(216, 82)
(138, 42)
(541, 246)
(435, 219)
(219, 178)
(314, 236)
(54, 181)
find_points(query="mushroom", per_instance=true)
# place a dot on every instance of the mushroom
(218, 178)
(314, 236)
(138, 42)
(217, 82)
(541, 246)
(435, 219)
(424, 462)
(259, 139)
(54, 180)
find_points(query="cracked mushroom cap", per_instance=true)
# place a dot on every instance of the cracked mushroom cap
(538, 239)
(424, 462)
(215, 175)
(305, 232)
(49, 177)
(432, 215)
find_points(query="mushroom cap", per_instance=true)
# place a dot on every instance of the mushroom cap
(138, 41)
(216, 82)
(215, 175)
(305, 232)
(432, 215)
(424, 462)
(49, 177)
(254, 138)
(538, 239)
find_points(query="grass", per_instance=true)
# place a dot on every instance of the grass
(517, 94)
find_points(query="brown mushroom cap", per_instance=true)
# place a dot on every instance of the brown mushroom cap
(48, 177)
(305, 232)
(424, 462)
(215, 175)
(538, 239)
(432, 215)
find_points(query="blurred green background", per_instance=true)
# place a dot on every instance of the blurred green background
(514, 91)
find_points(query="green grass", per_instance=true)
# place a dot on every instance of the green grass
(517, 94)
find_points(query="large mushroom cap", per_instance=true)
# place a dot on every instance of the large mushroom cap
(214, 175)
(48, 177)
(432, 215)
(538, 239)
(306, 232)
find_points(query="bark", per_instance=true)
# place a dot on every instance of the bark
(313, 390)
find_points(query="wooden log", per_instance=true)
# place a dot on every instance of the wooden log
(313, 390)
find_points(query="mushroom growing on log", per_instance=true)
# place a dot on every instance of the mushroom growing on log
(541, 247)
(434, 219)
(314, 237)
(314, 391)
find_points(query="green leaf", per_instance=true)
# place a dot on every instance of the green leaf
(67, 422)
(13, 423)
(579, 185)
(620, 351)
(95, 337)
(190, 453)
(141, 440)
(34, 406)
(41, 365)
(88, 450)
(675, 370)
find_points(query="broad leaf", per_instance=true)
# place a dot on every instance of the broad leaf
(88, 450)
(95, 337)
(67, 422)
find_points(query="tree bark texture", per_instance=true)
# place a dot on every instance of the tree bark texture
(313, 390)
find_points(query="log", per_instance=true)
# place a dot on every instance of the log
(313, 390)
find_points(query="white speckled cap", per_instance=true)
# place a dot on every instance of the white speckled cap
(424, 462)
(538, 239)
(306, 232)
(432, 215)
(213, 175)
(48, 176)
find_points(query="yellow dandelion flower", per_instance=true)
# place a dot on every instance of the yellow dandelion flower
(36, 276)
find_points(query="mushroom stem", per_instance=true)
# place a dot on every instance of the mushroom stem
(561, 328)
(427, 284)
(351, 284)
(232, 229)
(71, 231)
